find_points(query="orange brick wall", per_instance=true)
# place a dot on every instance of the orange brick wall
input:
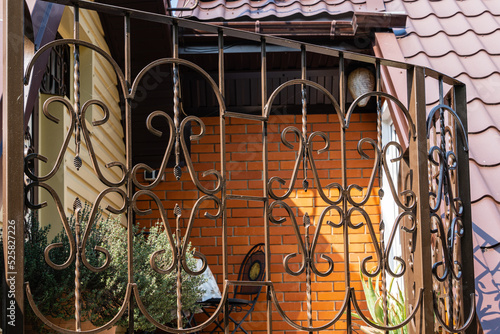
(245, 218)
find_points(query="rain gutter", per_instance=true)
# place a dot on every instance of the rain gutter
(345, 27)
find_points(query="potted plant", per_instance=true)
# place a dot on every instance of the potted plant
(396, 313)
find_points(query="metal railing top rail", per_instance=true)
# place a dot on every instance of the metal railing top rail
(250, 36)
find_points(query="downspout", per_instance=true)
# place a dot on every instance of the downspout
(331, 28)
(345, 26)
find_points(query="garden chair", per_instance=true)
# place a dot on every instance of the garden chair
(245, 297)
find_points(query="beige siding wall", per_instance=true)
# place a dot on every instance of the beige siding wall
(98, 81)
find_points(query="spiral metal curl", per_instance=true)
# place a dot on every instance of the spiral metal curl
(166, 154)
(72, 246)
(189, 162)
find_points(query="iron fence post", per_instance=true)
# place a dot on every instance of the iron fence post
(418, 163)
(468, 286)
(12, 178)
(129, 183)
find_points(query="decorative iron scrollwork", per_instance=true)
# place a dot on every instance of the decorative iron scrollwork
(405, 200)
(446, 214)
(343, 212)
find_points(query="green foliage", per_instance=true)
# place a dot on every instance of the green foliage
(103, 293)
(157, 292)
(395, 306)
(53, 290)
(91, 283)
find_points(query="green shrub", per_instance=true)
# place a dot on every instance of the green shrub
(157, 292)
(103, 293)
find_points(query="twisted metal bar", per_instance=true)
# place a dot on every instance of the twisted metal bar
(384, 274)
(307, 225)
(451, 329)
(305, 182)
(177, 168)
(177, 214)
(77, 207)
(77, 113)
(76, 90)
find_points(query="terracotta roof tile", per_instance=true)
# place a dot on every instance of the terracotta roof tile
(473, 8)
(487, 210)
(217, 10)
(461, 39)
(416, 9)
(482, 116)
(424, 27)
(456, 25)
(436, 45)
(493, 6)
(485, 182)
(474, 44)
(482, 146)
(447, 8)
(444, 8)
(483, 89)
(478, 66)
(484, 23)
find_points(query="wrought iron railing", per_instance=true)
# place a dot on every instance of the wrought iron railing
(433, 201)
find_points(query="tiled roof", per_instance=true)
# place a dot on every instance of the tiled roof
(222, 10)
(443, 9)
(462, 39)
